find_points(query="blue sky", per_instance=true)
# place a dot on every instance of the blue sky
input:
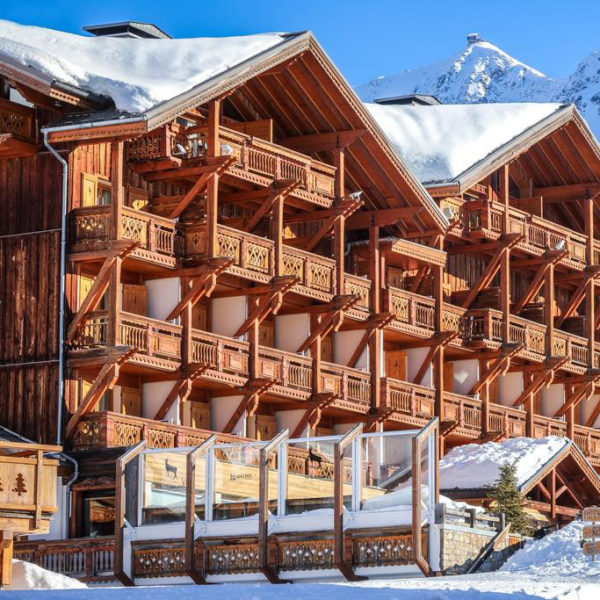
(365, 38)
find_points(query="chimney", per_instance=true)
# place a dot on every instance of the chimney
(128, 29)
(473, 38)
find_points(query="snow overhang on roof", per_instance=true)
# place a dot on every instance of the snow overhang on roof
(455, 146)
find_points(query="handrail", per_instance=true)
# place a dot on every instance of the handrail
(190, 511)
(263, 506)
(122, 462)
(338, 503)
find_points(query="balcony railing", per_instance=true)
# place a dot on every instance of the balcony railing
(153, 233)
(17, 120)
(462, 410)
(508, 421)
(253, 156)
(291, 372)
(86, 559)
(588, 441)
(408, 399)
(150, 337)
(487, 324)
(486, 218)
(418, 311)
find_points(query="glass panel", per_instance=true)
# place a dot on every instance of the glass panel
(386, 471)
(99, 515)
(310, 475)
(200, 487)
(164, 480)
(236, 481)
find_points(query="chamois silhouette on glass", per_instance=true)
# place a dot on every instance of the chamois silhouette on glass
(314, 458)
(170, 469)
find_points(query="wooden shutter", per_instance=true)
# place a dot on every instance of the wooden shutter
(137, 198)
(449, 377)
(395, 364)
(131, 401)
(327, 350)
(89, 190)
(85, 284)
(266, 334)
(199, 316)
(135, 299)
(265, 427)
(200, 415)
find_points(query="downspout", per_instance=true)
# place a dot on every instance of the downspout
(63, 269)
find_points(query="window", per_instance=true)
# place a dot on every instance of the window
(95, 190)
(98, 514)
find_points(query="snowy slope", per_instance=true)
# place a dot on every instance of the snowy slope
(557, 554)
(482, 72)
(136, 73)
(438, 143)
(27, 576)
(476, 466)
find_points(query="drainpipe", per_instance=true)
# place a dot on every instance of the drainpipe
(61, 316)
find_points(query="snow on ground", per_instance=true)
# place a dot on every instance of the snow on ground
(476, 466)
(136, 73)
(438, 143)
(27, 576)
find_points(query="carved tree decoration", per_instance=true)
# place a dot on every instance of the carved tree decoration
(1, 488)
(20, 485)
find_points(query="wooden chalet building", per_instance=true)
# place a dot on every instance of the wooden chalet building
(248, 254)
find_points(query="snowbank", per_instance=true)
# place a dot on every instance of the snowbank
(476, 466)
(438, 143)
(27, 576)
(136, 73)
(557, 554)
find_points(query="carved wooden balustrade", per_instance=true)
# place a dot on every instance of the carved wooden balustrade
(415, 314)
(506, 421)
(292, 372)
(485, 219)
(464, 412)
(253, 258)
(486, 325)
(18, 120)
(588, 440)
(545, 426)
(86, 559)
(259, 160)
(157, 343)
(412, 403)
(158, 238)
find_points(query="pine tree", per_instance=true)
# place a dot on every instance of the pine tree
(509, 500)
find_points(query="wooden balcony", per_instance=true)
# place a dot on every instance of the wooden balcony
(415, 314)
(484, 327)
(160, 240)
(588, 441)
(257, 161)
(17, 130)
(90, 560)
(412, 404)
(254, 258)
(484, 219)
(229, 360)
(157, 343)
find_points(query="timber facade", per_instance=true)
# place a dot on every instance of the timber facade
(254, 258)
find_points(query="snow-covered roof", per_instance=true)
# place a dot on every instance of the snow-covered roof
(477, 466)
(137, 74)
(440, 143)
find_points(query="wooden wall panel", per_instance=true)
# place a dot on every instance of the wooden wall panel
(30, 194)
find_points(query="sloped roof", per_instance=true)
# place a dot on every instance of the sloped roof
(137, 74)
(442, 144)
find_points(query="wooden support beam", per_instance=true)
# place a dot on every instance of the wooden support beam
(203, 286)
(438, 341)
(543, 379)
(253, 390)
(591, 420)
(105, 381)
(343, 210)
(565, 193)
(318, 142)
(591, 274)
(330, 321)
(381, 217)
(378, 321)
(501, 363)
(490, 270)
(181, 388)
(200, 185)
(312, 416)
(270, 302)
(583, 389)
(278, 190)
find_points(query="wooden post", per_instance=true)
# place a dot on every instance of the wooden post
(590, 319)
(315, 352)
(117, 190)
(438, 359)
(191, 568)
(214, 118)
(212, 215)
(530, 407)
(340, 224)
(6, 555)
(277, 233)
(114, 304)
(375, 345)
(485, 398)
(253, 340)
(505, 259)
(549, 309)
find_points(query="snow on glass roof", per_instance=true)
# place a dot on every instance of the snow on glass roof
(438, 143)
(136, 73)
(477, 466)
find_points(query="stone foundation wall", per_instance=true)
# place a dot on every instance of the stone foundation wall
(460, 546)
